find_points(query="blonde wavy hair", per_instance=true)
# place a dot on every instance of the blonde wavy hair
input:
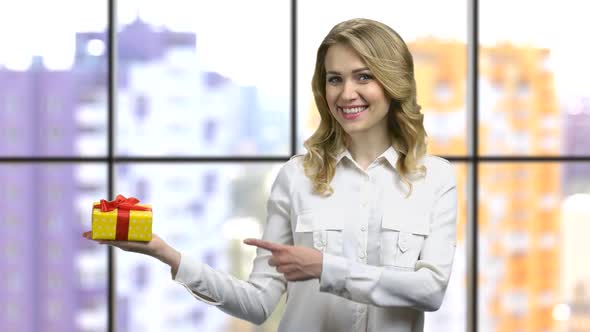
(390, 61)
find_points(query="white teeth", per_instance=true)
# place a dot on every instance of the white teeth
(353, 110)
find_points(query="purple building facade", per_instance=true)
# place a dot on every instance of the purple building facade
(40, 227)
(38, 250)
(17, 253)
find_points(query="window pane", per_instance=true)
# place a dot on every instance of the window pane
(204, 211)
(534, 76)
(52, 278)
(533, 222)
(438, 45)
(52, 78)
(204, 78)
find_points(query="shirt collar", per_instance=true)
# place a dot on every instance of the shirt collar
(344, 153)
(390, 155)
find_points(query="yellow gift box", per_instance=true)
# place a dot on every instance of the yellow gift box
(122, 219)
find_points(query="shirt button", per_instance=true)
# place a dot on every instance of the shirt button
(364, 203)
(362, 310)
(362, 255)
(363, 228)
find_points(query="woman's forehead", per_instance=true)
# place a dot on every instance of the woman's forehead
(343, 58)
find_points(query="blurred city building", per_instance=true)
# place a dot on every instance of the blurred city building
(53, 274)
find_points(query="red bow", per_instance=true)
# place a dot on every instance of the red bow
(121, 202)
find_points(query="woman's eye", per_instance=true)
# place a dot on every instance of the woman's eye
(333, 79)
(365, 77)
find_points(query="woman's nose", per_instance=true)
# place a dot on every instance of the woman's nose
(349, 91)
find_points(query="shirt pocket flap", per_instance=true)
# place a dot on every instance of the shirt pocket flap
(318, 221)
(415, 221)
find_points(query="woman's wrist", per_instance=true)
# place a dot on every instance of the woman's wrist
(169, 256)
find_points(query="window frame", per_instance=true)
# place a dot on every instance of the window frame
(472, 160)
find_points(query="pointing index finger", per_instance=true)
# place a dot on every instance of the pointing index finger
(263, 244)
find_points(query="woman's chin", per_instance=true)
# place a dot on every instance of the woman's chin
(354, 130)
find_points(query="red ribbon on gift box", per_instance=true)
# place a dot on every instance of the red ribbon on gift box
(124, 205)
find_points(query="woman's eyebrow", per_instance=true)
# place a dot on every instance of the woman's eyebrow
(354, 71)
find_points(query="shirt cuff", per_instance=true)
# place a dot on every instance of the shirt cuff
(189, 275)
(335, 272)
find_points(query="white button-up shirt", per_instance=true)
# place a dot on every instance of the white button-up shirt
(386, 258)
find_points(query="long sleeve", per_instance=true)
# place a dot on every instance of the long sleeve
(424, 287)
(255, 299)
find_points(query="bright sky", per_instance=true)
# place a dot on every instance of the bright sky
(37, 27)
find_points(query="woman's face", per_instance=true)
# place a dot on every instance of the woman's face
(355, 98)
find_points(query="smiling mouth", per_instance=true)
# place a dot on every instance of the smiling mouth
(352, 109)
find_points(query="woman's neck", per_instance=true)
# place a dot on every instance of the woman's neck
(365, 151)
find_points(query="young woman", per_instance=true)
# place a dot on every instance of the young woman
(360, 230)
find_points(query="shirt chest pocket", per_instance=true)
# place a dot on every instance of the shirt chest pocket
(402, 236)
(322, 231)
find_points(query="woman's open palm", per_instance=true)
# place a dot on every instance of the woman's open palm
(152, 248)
